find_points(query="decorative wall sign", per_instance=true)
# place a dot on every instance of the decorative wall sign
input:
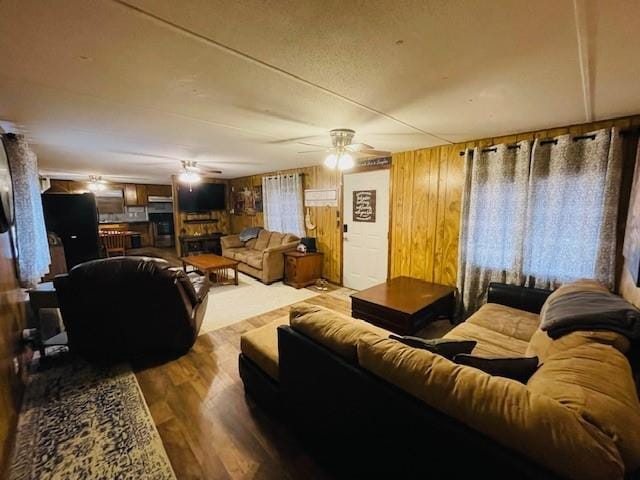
(321, 197)
(364, 206)
(374, 162)
(247, 201)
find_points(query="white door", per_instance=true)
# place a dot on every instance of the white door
(366, 224)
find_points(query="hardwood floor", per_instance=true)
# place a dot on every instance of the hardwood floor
(210, 429)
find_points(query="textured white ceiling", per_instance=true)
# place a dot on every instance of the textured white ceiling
(127, 89)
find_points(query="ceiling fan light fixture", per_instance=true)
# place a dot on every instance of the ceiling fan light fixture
(331, 161)
(189, 177)
(345, 162)
(96, 183)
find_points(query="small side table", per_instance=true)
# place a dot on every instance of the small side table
(44, 296)
(302, 269)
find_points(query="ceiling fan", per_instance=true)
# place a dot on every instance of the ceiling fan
(342, 153)
(191, 173)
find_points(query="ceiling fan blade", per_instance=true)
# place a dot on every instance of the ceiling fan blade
(210, 171)
(315, 151)
(356, 147)
(374, 153)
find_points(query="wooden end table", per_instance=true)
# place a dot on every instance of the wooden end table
(302, 269)
(403, 305)
(214, 266)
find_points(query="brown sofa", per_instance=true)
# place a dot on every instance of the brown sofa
(260, 257)
(343, 380)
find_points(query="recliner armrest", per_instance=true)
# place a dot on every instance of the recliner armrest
(523, 298)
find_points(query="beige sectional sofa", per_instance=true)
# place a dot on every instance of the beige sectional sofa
(578, 416)
(260, 257)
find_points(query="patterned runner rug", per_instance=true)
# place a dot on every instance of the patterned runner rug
(81, 421)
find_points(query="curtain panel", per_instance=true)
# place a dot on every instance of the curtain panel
(31, 235)
(539, 214)
(283, 204)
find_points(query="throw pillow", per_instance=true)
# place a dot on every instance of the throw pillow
(249, 233)
(519, 369)
(442, 346)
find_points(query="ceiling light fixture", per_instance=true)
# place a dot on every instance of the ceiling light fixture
(189, 175)
(96, 183)
(342, 159)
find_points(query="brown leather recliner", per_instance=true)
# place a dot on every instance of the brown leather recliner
(128, 307)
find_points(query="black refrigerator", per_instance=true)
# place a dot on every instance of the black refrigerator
(74, 218)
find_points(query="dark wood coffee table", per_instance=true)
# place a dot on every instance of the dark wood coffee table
(403, 305)
(214, 266)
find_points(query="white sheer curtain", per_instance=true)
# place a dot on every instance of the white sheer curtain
(283, 204)
(31, 235)
(540, 214)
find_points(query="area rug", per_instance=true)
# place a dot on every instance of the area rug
(87, 422)
(230, 304)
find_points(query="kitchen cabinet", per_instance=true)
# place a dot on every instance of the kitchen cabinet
(159, 190)
(141, 193)
(130, 195)
(135, 195)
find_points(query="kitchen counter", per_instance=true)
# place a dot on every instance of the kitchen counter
(123, 223)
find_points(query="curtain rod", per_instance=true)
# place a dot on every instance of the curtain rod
(542, 142)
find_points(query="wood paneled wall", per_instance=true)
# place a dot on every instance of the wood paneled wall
(426, 198)
(326, 219)
(12, 321)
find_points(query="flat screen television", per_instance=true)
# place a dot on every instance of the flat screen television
(202, 197)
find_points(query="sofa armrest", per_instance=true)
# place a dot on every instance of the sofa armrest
(522, 298)
(285, 247)
(231, 241)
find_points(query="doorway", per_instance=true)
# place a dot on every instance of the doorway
(365, 243)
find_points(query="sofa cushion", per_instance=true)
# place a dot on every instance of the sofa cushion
(535, 425)
(490, 342)
(506, 320)
(262, 241)
(543, 346)
(339, 333)
(234, 252)
(275, 240)
(261, 346)
(251, 243)
(241, 254)
(595, 381)
(254, 259)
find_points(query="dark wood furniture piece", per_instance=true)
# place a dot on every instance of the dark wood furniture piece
(214, 266)
(302, 269)
(403, 304)
(44, 295)
(195, 244)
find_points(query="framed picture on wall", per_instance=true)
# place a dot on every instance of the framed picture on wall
(248, 201)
